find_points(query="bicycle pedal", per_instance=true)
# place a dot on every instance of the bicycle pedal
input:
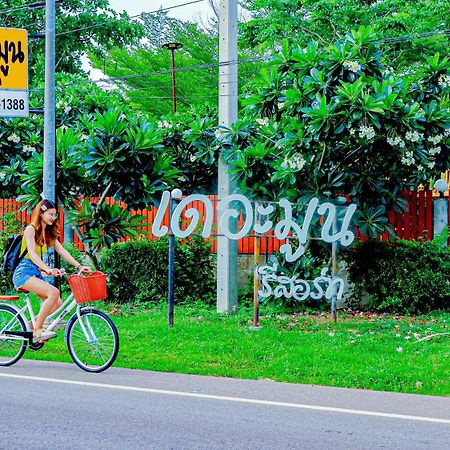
(36, 346)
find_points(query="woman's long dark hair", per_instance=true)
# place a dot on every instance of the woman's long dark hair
(51, 231)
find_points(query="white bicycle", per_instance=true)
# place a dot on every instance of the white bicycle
(91, 336)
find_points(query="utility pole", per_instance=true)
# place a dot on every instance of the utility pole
(49, 175)
(228, 87)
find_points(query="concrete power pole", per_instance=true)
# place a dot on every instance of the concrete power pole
(49, 180)
(228, 89)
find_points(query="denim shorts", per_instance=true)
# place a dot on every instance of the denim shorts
(24, 271)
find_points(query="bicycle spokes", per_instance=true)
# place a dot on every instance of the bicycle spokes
(93, 341)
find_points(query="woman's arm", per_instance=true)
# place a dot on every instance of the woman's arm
(69, 258)
(28, 235)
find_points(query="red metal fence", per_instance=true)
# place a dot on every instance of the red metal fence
(416, 223)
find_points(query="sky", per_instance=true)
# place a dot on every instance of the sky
(188, 12)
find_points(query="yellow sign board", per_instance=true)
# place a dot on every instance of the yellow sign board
(13, 59)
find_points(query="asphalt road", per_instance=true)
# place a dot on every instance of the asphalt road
(54, 406)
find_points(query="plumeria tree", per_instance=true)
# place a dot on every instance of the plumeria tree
(122, 157)
(331, 121)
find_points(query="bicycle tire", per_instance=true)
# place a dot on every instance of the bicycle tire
(11, 350)
(82, 351)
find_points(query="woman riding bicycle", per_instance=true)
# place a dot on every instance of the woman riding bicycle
(42, 233)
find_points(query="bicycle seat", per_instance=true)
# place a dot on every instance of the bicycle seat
(9, 298)
(24, 291)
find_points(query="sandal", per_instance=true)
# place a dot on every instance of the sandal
(43, 336)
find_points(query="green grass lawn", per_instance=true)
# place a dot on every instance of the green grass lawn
(359, 351)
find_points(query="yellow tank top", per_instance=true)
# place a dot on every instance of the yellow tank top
(41, 250)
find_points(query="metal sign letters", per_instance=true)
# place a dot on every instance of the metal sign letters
(258, 219)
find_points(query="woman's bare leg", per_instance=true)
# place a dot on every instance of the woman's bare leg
(51, 297)
(51, 312)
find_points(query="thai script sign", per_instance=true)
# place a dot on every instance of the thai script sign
(332, 230)
(13, 73)
(324, 286)
(257, 218)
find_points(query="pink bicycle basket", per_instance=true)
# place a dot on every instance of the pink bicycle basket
(88, 288)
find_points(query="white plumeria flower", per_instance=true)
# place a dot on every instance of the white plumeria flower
(2, 175)
(412, 136)
(436, 139)
(435, 150)
(444, 81)
(366, 132)
(263, 122)
(395, 141)
(296, 162)
(353, 66)
(29, 149)
(14, 138)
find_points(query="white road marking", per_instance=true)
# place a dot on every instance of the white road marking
(230, 399)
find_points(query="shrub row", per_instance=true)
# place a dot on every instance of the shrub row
(138, 271)
(403, 277)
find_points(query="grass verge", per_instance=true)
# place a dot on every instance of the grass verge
(362, 351)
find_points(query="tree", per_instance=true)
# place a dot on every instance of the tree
(21, 140)
(122, 157)
(325, 21)
(145, 68)
(331, 121)
(81, 26)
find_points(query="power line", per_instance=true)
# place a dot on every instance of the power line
(412, 36)
(131, 17)
(27, 6)
(162, 72)
(225, 63)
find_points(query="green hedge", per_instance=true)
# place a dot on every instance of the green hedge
(404, 277)
(138, 271)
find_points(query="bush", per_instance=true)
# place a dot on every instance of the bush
(403, 277)
(77, 254)
(138, 271)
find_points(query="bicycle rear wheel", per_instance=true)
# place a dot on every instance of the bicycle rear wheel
(11, 350)
(94, 343)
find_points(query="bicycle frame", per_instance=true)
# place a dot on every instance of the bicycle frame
(67, 306)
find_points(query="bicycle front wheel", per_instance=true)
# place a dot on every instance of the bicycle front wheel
(11, 349)
(92, 340)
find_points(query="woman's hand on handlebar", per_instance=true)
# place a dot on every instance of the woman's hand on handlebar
(84, 269)
(54, 272)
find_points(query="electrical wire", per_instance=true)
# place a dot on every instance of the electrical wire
(28, 6)
(131, 17)
(162, 72)
(414, 36)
